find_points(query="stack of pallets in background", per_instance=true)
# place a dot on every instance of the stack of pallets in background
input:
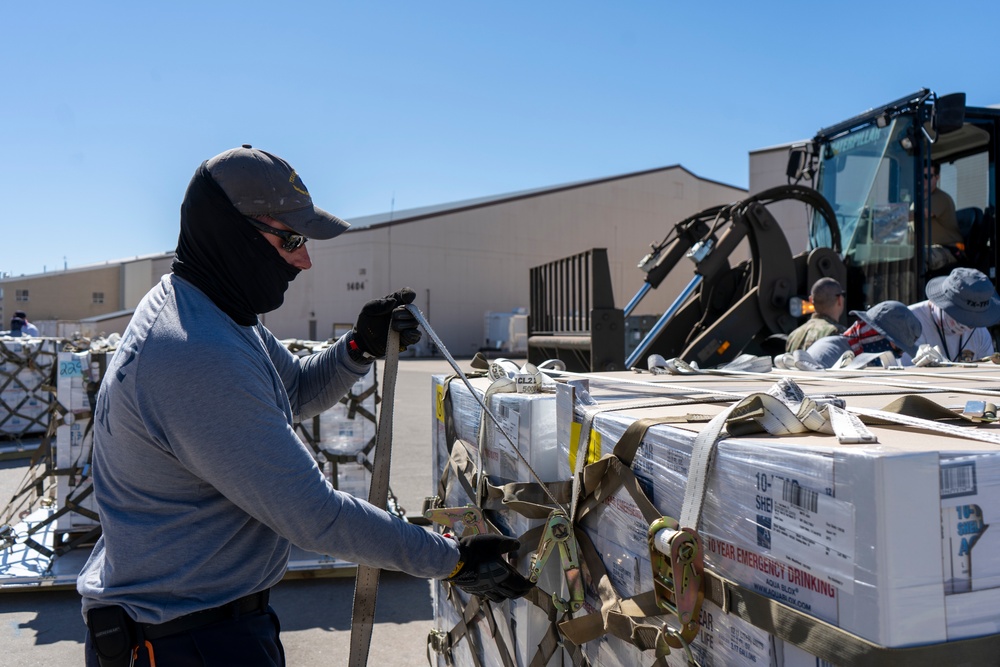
(343, 437)
(26, 366)
(343, 442)
(78, 377)
(47, 529)
(885, 539)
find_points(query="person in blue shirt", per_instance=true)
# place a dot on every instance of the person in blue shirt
(27, 329)
(201, 482)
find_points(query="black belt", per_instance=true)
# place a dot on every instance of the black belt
(255, 602)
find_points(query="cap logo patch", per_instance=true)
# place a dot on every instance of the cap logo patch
(295, 178)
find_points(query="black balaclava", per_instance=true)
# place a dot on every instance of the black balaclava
(221, 254)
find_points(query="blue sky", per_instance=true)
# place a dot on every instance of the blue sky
(109, 107)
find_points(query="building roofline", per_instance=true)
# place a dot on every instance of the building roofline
(91, 267)
(380, 220)
(786, 146)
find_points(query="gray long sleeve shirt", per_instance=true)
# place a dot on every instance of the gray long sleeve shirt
(200, 480)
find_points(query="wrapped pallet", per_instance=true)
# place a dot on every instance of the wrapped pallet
(342, 440)
(60, 500)
(463, 441)
(26, 367)
(347, 436)
(78, 379)
(861, 511)
(343, 437)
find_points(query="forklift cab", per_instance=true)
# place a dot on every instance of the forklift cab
(875, 169)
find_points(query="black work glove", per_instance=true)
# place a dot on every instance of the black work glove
(482, 570)
(371, 332)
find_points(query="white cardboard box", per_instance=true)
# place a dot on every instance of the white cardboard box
(885, 564)
(77, 378)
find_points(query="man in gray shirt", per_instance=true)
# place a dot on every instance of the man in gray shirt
(200, 480)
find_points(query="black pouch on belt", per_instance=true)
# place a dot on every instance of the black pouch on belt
(113, 635)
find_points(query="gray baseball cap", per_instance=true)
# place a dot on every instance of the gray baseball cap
(896, 322)
(967, 295)
(259, 183)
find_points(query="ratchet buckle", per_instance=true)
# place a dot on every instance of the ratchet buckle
(678, 573)
(559, 533)
(463, 521)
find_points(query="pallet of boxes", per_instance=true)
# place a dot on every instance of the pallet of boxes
(48, 528)
(54, 514)
(342, 440)
(780, 518)
(26, 366)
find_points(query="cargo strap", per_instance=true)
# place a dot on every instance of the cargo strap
(628, 618)
(905, 410)
(502, 385)
(898, 374)
(552, 640)
(366, 584)
(486, 410)
(443, 643)
(585, 453)
(911, 410)
(623, 618)
(475, 479)
(461, 469)
(528, 499)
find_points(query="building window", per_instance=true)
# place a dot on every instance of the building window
(98, 297)
(21, 295)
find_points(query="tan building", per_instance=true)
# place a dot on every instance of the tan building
(768, 168)
(82, 299)
(464, 259)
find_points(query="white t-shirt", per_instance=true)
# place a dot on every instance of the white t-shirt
(978, 341)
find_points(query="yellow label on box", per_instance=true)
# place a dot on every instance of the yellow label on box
(439, 403)
(593, 447)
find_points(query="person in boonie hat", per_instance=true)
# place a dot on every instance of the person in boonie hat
(956, 314)
(885, 327)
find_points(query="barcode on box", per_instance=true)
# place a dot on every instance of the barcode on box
(803, 498)
(958, 479)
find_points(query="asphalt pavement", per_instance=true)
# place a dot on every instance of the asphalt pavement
(44, 627)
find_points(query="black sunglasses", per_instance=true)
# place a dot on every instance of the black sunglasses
(290, 241)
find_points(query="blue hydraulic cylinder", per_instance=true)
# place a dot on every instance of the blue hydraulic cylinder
(662, 322)
(637, 298)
